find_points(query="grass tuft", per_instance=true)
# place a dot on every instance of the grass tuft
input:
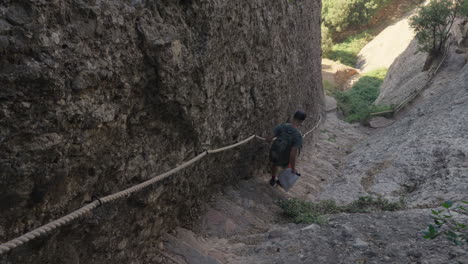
(299, 211)
(357, 102)
(346, 52)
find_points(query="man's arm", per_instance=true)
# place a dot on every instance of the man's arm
(276, 132)
(297, 144)
(292, 159)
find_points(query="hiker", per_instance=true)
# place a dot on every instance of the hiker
(285, 148)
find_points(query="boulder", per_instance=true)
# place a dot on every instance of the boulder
(336, 73)
(380, 122)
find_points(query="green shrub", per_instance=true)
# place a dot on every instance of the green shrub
(357, 102)
(347, 51)
(338, 15)
(299, 211)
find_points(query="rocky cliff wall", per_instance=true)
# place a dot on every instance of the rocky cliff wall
(404, 77)
(97, 96)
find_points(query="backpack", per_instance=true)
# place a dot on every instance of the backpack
(281, 147)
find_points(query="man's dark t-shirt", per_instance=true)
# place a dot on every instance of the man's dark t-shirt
(292, 137)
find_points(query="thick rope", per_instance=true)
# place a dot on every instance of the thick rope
(5, 247)
(231, 146)
(315, 127)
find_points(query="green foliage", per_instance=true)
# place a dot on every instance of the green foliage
(433, 23)
(347, 51)
(299, 211)
(327, 42)
(446, 224)
(339, 15)
(464, 8)
(332, 138)
(356, 103)
(367, 204)
(329, 88)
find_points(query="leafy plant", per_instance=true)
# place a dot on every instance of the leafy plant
(446, 224)
(357, 102)
(434, 22)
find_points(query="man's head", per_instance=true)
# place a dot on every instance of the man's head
(299, 117)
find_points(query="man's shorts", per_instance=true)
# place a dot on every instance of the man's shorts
(278, 161)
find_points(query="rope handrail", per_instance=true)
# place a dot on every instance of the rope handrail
(7, 246)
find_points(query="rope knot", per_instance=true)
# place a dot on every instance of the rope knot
(94, 198)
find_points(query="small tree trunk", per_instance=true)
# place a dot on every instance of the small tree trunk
(430, 60)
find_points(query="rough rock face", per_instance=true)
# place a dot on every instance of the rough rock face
(385, 47)
(99, 95)
(404, 76)
(351, 238)
(337, 74)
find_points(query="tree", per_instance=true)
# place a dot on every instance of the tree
(434, 22)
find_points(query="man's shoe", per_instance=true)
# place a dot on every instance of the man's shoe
(279, 183)
(272, 182)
